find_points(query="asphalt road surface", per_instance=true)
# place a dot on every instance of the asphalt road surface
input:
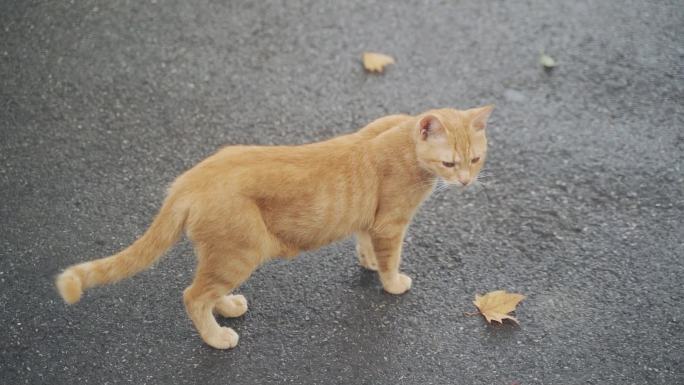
(103, 103)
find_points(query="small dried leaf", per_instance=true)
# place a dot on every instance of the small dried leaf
(496, 305)
(547, 61)
(376, 62)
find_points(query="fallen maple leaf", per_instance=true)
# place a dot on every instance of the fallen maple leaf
(496, 305)
(376, 62)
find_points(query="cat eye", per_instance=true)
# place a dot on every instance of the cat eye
(449, 164)
(475, 160)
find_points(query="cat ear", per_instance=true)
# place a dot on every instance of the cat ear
(429, 125)
(479, 116)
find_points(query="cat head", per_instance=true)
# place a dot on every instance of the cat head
(452, 144)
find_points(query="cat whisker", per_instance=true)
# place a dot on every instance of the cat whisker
(441, 188)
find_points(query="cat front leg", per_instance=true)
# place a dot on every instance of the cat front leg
(387, 246)
(365, 252)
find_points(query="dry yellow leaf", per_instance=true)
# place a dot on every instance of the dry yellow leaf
(376, 62)
(496, 305)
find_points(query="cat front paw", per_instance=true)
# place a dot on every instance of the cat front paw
(399, 284)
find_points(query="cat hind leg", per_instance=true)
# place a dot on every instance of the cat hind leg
(217, 274)
(231, 305)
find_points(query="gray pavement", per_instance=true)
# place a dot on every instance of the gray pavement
(103, 103)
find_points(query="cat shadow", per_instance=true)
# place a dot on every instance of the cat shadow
(368, 279)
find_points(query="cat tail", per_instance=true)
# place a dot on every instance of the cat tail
(159, 237)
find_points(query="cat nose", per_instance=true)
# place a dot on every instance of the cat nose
(464, 178)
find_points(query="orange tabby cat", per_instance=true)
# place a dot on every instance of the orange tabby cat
(245, 205)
